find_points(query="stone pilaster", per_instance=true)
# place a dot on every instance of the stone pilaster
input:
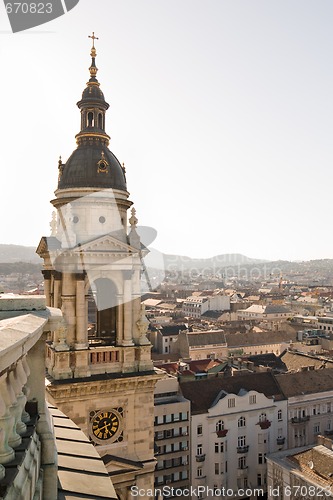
(81, 314)
(47, 286)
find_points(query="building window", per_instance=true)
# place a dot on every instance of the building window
(280, 415)
(219, 447)
(242, 462)
(253, 399)
(217, 468)
(316, 429)
(241, 441)
(241, 422)
(199, 449)
(259, 480)
(261, 458)
(220, 425)
(231, 403)
(199, 430)
(262, 417)
(199, 472)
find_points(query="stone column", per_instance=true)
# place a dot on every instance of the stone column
(120, 320)
(47, 286)
(81, 315)
(127, 339)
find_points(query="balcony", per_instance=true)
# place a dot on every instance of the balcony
(200, 458)
(242, 471)
(328, 433)
(243, 449)
(280, 441)
(299, 420)
(222, 433)
(264, 424)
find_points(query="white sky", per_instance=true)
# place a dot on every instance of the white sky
(220, 109)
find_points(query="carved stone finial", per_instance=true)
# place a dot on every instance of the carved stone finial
(133, 219)
(53, 224)
(60, 168)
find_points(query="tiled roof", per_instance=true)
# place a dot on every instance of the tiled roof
(297, 360)
(319, 458)
(202, 393)
(173, 329)
(305, 382)
(258, 338)
(206, 338)
(81, 471)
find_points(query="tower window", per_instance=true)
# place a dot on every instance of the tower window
(75, 219)
(90, 119)
(102, 219)
(100, 120)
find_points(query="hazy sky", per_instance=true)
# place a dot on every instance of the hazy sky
(222, 111)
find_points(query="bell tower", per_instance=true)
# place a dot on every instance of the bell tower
(99, 363)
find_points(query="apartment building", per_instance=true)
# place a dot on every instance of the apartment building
(310, 404)
(195, 306)
(235, 421)
(172, 435)
(265, 312)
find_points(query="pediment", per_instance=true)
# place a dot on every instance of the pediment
(107, 244)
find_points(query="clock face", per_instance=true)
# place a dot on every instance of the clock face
(105, 425)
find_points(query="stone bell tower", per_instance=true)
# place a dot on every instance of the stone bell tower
(99, 363)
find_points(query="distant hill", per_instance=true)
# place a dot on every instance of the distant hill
(18, 253)
(218, 262)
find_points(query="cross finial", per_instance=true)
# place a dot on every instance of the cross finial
(93, 38)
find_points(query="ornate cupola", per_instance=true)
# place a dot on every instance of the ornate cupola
(93, 107)
(92, 164)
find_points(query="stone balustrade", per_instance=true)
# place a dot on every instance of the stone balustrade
(28, 457)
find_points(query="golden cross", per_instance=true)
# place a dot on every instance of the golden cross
(93, 38)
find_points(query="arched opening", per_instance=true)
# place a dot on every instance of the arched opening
(103, 312)
(100, 120)
(90, 119)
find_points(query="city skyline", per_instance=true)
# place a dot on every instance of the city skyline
(220, 111)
